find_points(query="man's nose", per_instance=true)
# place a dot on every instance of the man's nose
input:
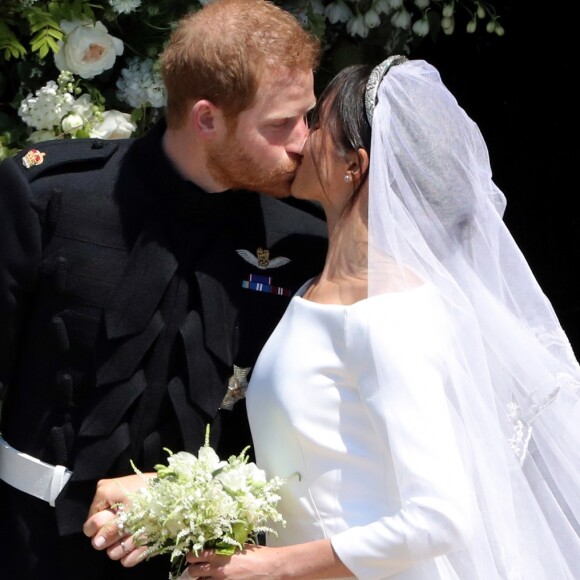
(298, 137)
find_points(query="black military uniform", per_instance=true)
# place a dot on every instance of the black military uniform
(128, 300)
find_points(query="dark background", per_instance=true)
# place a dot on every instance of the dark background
(522, 90)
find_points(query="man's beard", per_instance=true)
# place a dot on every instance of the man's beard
(233, 168)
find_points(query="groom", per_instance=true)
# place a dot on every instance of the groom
(139, 280)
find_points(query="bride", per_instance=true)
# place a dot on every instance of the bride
(420, 394)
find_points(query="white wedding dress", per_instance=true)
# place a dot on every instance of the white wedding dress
(320, 418)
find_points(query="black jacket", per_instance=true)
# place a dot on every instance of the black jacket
(127, 295)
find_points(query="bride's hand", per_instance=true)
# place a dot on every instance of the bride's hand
(252, 562)
(101, 524)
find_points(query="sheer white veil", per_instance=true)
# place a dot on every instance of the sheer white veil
(512, 380)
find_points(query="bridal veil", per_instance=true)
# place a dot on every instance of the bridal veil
(512, 380)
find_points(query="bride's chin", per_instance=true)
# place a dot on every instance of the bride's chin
(299, 192)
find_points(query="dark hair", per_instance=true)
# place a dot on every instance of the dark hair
(340, 111)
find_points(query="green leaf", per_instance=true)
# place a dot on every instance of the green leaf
(9, 43)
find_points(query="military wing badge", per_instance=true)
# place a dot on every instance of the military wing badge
(262, 259)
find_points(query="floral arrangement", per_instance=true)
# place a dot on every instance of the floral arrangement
(88, 68)
(201, 502)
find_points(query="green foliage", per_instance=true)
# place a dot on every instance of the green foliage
(45, 31)
(10, 46)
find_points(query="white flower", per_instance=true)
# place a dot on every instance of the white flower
(141, 84)
(382, 6)
(114, 125)
(88, 49)
(448, 24)
(372, 18)
(338, 11)
(357, 27)
(45, 109)
(448, 10)
(72, 122)
(124, 6)
(201, 502)
(210, 458)
(421, 27)
(422, 4)
(83, 106)
(401, 19)
(395, 4)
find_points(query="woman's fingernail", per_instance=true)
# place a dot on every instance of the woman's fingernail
(99, 541)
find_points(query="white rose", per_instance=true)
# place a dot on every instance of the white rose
(72, 122)
(88, 49)
(234, 481)
(83, 106)
(208, 456)
(114, 125)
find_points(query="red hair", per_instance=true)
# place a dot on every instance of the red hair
(220, 52)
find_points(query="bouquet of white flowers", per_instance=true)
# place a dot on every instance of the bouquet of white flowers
(201, 502)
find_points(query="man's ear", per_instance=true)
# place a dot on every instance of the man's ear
(206, 118)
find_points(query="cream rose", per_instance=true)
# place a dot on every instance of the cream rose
(72, 122)
(114, 125)
(88, 49)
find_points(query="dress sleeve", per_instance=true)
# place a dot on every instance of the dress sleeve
(19, 260)
(402, 388)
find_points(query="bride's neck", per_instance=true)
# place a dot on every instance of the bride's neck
(344, 277)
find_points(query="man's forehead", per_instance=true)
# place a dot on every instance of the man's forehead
(285, 89)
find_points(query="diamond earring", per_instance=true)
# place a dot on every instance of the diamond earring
(347, 178)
